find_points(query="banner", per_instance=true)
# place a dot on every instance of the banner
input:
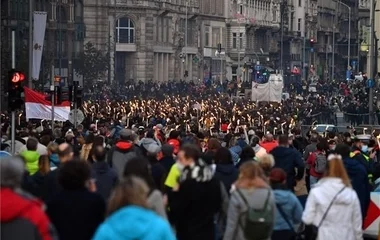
(39, 26)
(270, 91)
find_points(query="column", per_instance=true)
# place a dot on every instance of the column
(191, 68)
(156, 67)
(166, 77)
(162, 67)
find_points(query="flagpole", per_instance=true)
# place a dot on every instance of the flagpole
(30, 81)
(52, 90)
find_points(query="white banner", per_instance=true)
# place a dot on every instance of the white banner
(268, 92)
(39, 26)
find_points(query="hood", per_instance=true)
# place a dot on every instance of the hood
(225, 169)
(145, 142)
(100, 167)
(329, 187)
(14, 205)
(353, 167)
(30, 156)
(282, 196)
(282, 152)
(124, 145)
(140, 222)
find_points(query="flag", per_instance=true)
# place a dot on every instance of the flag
(36, 107)
(39, 27)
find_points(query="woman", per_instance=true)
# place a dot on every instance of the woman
(43, 169)
(52, 150)
(333, 200)
(266, 162)
(128, 204)
(141, 168)
(225, 170)
(288, 207)
(86, 148)
(248, 154)
(251, 192)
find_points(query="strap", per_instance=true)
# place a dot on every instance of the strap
(266, 200)
(242, 196)
(328, 208)
(279, 208)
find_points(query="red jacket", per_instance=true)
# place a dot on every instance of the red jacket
(269, 146)
(21, 215)
(311, 162)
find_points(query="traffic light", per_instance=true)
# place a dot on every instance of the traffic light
(62, 94)
(312, 41)
(186, 73)
(74, 94)
(219, 47)
(15, 89)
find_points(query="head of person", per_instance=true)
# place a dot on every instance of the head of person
(52, 148)
(336, 169)
(74, 175)
(343, 150)
(322, 147)
(158, 128)
(314, 137)
(90, 138)
(362, 144)
(65, 152)
(277, 178)
(44, 164)
(269, 137)
(12, 171)
(188, 155)
(131, 190)
(213, 145)
(266, 162)
(32, 144)
(255, 140)
(250, 175)
(223, 156)
(174, 134)
(167, 150)
(332, 145)
(154, 151)
(248, 153)
(125, 135)
(283, 140)
(57, 133)
(291, 138)
(80, 128)
(139, 167)
(150, 134)
(99, 154)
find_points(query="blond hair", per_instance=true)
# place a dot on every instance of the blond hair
(251, 175)
(336, 169)
(130, 191)
(52, 148)
(266, 162)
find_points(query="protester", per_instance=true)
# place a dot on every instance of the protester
(251, 191)
(52, 150)
(333, 205)
(196, 199)
(266, 162)
(22, 216)
(128, 204)
(76, 211)
(167, 160)
(317, 162)
(288, 208)
(225, 170)
(31, 156)
(269, 143)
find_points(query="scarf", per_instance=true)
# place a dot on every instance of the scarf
(199, 171)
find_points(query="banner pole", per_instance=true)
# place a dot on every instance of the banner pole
(13, 116)
(52, 90)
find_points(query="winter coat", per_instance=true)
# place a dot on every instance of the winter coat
(227, 174)
(142, 224)
(289, 159)
(22, 217)
(256, 198)
(346, 207)
(259, 151)
(106, 178)
(156, 203)
(31, 160)
(119, 155)
(291, 207)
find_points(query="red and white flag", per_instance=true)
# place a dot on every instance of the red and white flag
(36, 107)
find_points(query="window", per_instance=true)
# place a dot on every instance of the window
(125, 31)
(215, 36)
(190, 24)
(241, 40)
(299, 3)
(207, 36)
(78, 10)
(274, 12)
(241, 9)
(299, 24)
(234, 40)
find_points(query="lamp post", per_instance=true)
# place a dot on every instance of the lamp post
(371, 64)
(349, 33)
(186, 40)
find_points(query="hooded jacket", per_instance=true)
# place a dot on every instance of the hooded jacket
(119, 155)
(143, 224)
(291, 207)
(106, 178)
(146, 143)
(359, 180)
(346, 206)
(22, 218)
(227, 174)
(288, 159)
(31, 160)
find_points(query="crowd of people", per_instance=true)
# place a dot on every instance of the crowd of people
(154, 162)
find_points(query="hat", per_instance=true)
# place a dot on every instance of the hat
(69, 133)
(125, 133)
(153, 149)
(277, 175)
(363, 137)
(251, 132)
(159, 126)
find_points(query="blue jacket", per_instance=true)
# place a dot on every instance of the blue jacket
(106, 178)
(133, 222)
(291, 207)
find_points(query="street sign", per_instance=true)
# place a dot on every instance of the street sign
(195, 59)
(353, 63)
(250, 70)
(257, 67)
(79, 116)
(370, 83)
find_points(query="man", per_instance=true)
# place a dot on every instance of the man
(167, 160)
(22, 217)
(149, 140)
(106, 177)
(122, 152)
(288, 159)
(51, 186)
(269, 143)
(196, 199)
(360, 152)
(31, 156)
(312, 147)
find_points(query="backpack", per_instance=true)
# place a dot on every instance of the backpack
(320, 163)
(258, 222)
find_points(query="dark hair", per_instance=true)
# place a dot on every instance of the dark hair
(167, 150)
(173, 134)
(90, 138)
(283, 139)
(343, 150)
(223, 156)
(99, 153)
(191, 151)
(73, 175)
(32, 144)
(68, 150)
(139, 167)
(150, 134)
(247, 153)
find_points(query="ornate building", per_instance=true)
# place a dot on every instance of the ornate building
(146, 39)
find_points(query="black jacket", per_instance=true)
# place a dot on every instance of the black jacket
(76, 214)
(227, 174)
(106, 178)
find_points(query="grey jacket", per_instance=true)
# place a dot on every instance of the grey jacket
(256, 198)
(156, 203)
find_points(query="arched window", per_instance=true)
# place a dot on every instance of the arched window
(125, 30)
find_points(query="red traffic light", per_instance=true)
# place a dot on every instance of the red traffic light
(312, 40)
(17, 77)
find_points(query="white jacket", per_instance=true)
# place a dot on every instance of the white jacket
(344, 219)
